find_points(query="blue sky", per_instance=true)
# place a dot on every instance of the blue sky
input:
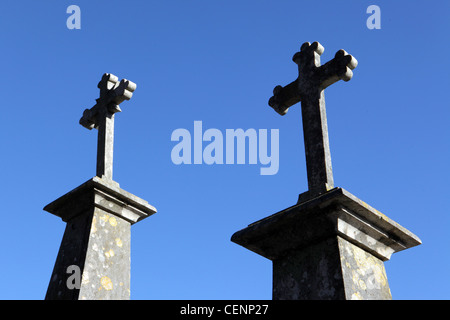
(217, 62)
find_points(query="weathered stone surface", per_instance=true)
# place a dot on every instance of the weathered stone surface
(328, 247)
(99, 215)
(332, 269)
(363, 273)
(106, 274)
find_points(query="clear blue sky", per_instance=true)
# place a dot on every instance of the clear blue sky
(217, 62)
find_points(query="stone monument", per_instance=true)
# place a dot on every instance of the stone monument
(330, 245)
(99, 215)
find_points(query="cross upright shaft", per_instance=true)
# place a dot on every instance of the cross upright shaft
(309, 89)
(101, 117)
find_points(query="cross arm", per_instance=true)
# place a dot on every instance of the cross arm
(339, 68)
(308, 59)
(124, 91)
(284, 97)
(88, 120)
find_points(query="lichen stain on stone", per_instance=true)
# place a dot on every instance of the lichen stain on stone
(94, 225)
(358, 283)
(85, 278)
(357, 296)
(113, 221)
(360, 258)
(367, 268)
(362, 284)
(109, 253)
(119, 242)
(106, 283)
(379, 275)
(103, 219)
(381, 215)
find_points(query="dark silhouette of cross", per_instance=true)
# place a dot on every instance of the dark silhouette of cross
(101, 117)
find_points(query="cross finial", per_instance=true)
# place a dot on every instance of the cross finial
(101, 117)
(309, 89)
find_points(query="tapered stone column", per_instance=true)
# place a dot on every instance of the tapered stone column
(96, 242)
(330, 247)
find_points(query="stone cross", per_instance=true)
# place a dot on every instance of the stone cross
(101, 117)
(309, 89)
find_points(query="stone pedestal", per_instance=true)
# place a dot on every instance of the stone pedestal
(96, 241)
(329, 247)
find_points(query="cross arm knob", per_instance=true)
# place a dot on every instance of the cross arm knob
(88, 119)
(284, 97)
(339, 68)
(124, 91)
(112, 93)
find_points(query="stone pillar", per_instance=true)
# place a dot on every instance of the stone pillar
(96, 241)
(330, 247)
